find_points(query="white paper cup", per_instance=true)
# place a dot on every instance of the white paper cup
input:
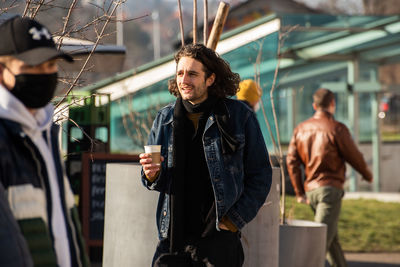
(155, 152)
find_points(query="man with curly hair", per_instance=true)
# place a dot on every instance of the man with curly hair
(215, 173)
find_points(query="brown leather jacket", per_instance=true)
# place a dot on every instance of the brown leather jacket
(322, 145)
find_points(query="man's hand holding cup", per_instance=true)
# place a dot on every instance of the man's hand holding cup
(151, 161)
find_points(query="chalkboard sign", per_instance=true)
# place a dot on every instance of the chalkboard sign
(93, 193)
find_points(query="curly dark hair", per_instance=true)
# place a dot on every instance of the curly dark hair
(226, 82)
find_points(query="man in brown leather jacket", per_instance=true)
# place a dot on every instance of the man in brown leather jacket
(323, 145)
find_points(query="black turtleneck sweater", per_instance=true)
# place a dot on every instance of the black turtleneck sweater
(199, 207)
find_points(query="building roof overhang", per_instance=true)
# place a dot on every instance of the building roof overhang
(314, 45)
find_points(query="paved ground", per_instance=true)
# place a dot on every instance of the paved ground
(373, 259)
(353, 260)
(358, 260)
(384, 197)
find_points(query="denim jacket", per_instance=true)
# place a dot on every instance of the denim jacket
(241, 181)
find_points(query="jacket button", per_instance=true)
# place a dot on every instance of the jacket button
(165, 213)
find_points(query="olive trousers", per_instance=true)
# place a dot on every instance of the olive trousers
(326, 202)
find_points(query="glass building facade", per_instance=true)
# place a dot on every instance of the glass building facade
(311, 51)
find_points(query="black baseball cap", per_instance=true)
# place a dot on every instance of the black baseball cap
(29, 41)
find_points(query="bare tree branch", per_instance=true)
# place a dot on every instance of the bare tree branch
(67, 19)
(194, 21)
(181, 23)
(276, 143)
(99, 36)
(205, 22)
(11, 6)
(28, 2)
(39, 5)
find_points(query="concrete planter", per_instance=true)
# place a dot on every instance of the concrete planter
(302, 244)
(130, 234)
(260, 238)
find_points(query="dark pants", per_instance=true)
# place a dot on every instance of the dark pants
(220, 249)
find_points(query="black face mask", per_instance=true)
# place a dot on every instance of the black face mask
(35, 90)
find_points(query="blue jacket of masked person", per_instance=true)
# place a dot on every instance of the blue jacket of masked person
(241, 180)
(27, 163)
(27, 144)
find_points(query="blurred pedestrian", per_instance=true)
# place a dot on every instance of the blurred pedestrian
(323, 146)
(215, 175)
(31, 171)
(250, 93)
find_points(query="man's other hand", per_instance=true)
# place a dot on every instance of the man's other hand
(302, 199)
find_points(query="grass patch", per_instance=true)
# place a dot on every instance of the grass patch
(364, 225)
(390, 136)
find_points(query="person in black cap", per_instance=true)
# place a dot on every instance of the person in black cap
(31, 172)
